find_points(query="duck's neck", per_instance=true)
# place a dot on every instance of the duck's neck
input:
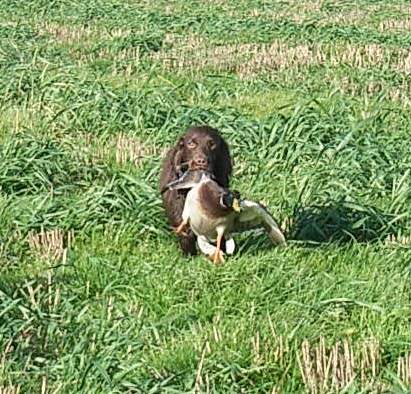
(210, 198)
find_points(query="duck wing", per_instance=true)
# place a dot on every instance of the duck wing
(253, 216)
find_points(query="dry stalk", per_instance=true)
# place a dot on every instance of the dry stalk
(51, 244)
(17, 119)
(399, 94)
(7, 350)
(404, 369)
(217, 334)
(80, 34)
(123, 149)
(10, 390)
(128, 54)
(307, 372)
(199, 380)
(370, 361)
(287, 224)
(333, 369)
(250, 59)
(277, 348)
(255, 343)
(184, 42)
(304, 12)
(131, 150)
(395, 25)
(67, 34)
(398, 240)
(404, 63)
(324, 370)
(44, 385)
(350, 18)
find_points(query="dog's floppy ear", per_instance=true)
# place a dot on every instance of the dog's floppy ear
(171, 165)
(224, 164)
(178, 154)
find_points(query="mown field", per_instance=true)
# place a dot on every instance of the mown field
(314, 100)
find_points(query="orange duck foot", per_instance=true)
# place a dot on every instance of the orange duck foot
(181, 229)
(217, 257)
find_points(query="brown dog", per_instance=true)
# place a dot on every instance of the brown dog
(200, 148)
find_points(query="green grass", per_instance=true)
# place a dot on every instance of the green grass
(323, 142)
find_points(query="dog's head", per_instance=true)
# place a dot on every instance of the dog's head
(202, 148)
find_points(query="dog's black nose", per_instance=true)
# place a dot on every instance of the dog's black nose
(201, 162)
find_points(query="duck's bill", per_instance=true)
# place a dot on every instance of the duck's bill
(236, 205)
(187, 181)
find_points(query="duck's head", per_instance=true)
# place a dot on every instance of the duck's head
(231, 199)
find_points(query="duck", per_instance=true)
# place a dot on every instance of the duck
(214, 212)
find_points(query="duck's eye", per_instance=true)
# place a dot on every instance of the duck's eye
(191, 144)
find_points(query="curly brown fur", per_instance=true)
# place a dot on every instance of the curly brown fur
(201, 147)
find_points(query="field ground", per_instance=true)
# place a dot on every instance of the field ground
(314, 99)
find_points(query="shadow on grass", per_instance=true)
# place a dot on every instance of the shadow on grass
(342, 222)
(333, 223)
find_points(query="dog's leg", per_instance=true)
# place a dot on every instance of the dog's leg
(188, 243)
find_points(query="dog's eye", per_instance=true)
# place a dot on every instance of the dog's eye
(191, 144)
(212, 145)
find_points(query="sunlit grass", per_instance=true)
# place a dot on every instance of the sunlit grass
(313, 99)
